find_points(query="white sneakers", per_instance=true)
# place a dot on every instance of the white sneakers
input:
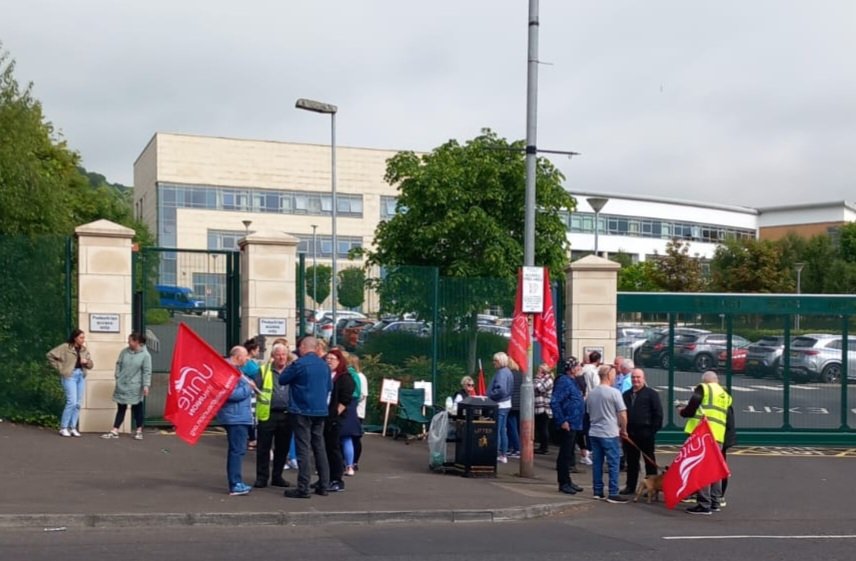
(585, 460)
(109, 435)
(138, 435)
(64, 432)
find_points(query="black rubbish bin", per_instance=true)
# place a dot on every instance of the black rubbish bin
(476, 437)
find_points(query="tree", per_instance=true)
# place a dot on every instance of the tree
(677, 271)
(847, 242)
(750, 265)
(352, 286)
(323, 273)
(638, 277)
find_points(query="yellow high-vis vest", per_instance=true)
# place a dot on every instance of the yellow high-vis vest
(714, 406)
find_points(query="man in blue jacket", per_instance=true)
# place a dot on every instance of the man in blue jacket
(236, 417)
(310, 384)
(568, 410)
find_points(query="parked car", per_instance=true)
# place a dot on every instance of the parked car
(495, 329)
(655, 350)
(738, 360)
(420, 328)
(764, 355)
(630, 338)
(348, 331)
(701, 351)
(818, 357)
(320, 322)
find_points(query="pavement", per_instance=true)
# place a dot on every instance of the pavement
(52, 482)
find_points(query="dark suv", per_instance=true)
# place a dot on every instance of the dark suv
(655, 350)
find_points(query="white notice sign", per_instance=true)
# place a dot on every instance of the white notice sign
(533, 290)
(272, 326)
(428, 391)
(104, 323)
(389, 391)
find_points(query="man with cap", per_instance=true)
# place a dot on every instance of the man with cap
(568, 409)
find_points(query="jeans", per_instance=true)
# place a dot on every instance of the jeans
(513, 426)
(710, 495)
(567, 439)
(309, 434)
(275, 432)
(502, 430)
(608, 449)
(237, 436)
(74, 386)
(348, 450)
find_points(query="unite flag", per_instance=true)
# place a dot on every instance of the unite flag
(698, 464)
(200, 380)
(518, 346)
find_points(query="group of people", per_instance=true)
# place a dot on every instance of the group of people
(314, 398)
(612, 415)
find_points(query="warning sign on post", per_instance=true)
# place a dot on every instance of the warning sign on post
(533, 290)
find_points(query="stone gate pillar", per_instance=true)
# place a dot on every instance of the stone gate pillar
(268, 286)
(591, 310)
(104, 313)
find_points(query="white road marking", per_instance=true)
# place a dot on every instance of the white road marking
(765, 537)
(742, 389)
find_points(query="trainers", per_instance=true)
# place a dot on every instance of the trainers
(715, 508)
(698, 509)
(240, 489)
(336, 487)
(617, 499)
(291, 464)
(138, 435)
(297, 494)
(585, 460)
(514, 454)
(74, 432)
(722, 504)
(109, 435)
(626, 491)
(349, 471)
(567, 489)
(64, 432)
(502, 459)
(598, 497)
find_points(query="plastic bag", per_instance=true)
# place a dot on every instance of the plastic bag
(437, 433)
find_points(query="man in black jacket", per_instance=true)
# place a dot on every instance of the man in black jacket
(644, 419)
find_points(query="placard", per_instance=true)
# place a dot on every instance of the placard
(104, 323)
(533, 290)
(272, 326)
(389, 391)
(428, 391)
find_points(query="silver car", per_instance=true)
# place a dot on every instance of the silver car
(818, 357)
(701, 352)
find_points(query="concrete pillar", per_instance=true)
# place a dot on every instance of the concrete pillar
(268, 285)
(104, 313)
(591, 310)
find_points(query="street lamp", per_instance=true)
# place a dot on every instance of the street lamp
(314, 266)
(799, 268)
(246, 224)
(328, 109)
(596, 203)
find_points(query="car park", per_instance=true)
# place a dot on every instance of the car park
(496, 330)
(738, 360)
(817, 357)
(415, 327)
(701, 351)
(655, 350)
(763, 357)
(630, 338)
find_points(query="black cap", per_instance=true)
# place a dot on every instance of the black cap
(571, 363)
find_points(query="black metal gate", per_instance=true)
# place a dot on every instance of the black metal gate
(200, 288)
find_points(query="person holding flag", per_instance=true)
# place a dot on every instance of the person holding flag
(709, 401)
(236, 417)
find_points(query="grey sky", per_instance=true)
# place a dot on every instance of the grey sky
(749, 103)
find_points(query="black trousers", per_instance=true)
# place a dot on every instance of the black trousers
(567, 439)
(136, 411)
(309, 439)
(333, 443)
(644, 439)
(275, 432)
(542, 431)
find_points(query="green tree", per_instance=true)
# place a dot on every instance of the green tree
(750, 265)
(847, 242)
(677, 270)
(352, 287)
(323, 273)
(638, 277)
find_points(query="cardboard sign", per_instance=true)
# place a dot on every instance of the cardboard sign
(428, 391)
(533, 290)
(389, 391)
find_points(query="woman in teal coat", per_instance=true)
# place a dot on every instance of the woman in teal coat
(133, 379)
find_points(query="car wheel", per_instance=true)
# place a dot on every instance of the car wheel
(703, 362)
(831, 374)
(664, 361)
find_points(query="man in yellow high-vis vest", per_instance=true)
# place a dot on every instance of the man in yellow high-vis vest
(274, 422)
(709, 400)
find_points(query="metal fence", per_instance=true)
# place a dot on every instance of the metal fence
(36, 291)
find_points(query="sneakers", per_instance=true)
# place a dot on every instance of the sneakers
(698, 509)
(240, 489)
(722, 503)
(280, 483)
(567, 489)
(585, 460)
(349, 471)
(64, 432)
(297, 494)
(598, 497)
(514, 454)
(626, 491)
(138, 435)
(109, 435)
(502, 459)
(336, 487)
(74, 432)
(715, 508)
(290, 464)
(617, 499)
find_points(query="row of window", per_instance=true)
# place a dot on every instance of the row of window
(323, 245)
(259, 200)
(583, 222)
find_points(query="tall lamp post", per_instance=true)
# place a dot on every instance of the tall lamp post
(328, 109)
(314, 266)
(799, 268)
(596, 203)
(246, 224)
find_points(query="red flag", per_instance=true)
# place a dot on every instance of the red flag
(481, 388)
(200, 380)
(518, 346)
(698, 464)
(545, 326)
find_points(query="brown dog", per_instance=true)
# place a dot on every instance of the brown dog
(651, 486)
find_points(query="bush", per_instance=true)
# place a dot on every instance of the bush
(157, 316)
(31, 393)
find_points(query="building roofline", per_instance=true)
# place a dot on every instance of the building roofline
(266, 141)
(806, 206)
(682, 202)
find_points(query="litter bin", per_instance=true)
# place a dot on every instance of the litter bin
(475, 440)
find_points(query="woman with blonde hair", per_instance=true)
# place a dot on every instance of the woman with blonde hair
(501, 387)
(543, 387)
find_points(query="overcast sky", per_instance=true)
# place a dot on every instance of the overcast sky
(739, 102)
